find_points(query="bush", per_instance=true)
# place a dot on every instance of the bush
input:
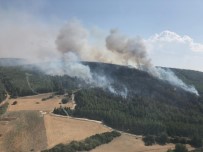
(180, 148)
(162, 139)
(181, 140)
(65, 100)
(14, 103)
(47, 98)
(196, 141)
(149, 140)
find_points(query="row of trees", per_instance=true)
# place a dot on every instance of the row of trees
(2, 92)
(163, 138)
(87, 144)
(179, 148)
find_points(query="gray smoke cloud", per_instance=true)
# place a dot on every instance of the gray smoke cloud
(72, 38)
(70, 68)
(74, 43)
(132, 49)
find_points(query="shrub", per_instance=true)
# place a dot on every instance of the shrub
(149, 140)
(162, 139)
(196, 141)
(180, 148)
(65, 100)
(14, 103)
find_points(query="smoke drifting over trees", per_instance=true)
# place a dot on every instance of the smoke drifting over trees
(75, 43)
(73, 39)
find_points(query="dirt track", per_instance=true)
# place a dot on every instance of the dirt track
(6, 100)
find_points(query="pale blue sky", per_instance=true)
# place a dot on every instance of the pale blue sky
(136, 17)
(133, 17)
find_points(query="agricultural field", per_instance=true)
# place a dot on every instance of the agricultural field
(65, 130)
(22, 131)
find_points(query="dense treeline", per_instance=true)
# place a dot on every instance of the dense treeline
(60, 111)
(2, 92)
(149, 106)
(87, 144)
(21, 81)
(163, 138)
(179, 148)
(140, 115)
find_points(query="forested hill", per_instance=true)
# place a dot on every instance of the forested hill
(20, 81)
(140, 104)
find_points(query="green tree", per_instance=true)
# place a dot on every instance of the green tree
(180, 148)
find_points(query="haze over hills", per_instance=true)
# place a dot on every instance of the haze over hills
(116, 69)
(122, 97)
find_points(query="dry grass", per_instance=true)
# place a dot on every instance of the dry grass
(25, 133)
(31, 131)
(36, 103)
(130, 143)
(5, 128)
(64, 130)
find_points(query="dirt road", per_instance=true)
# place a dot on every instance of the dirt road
(6, 100)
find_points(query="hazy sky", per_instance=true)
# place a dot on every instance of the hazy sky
(172, 29)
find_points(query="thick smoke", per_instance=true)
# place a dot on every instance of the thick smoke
(72, 38)
(72, 42)
(131, 49)
(70, 68)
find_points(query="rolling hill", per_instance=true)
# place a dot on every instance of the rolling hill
(139, 102)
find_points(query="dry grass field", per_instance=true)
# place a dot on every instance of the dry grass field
(130, 143)
(24, 133)
(36, 103)
(64, 130)
(24, 128)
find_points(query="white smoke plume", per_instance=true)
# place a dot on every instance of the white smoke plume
(168, 75)
(72, 38)
(73, 44)
(70, 68)
(132, 49)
